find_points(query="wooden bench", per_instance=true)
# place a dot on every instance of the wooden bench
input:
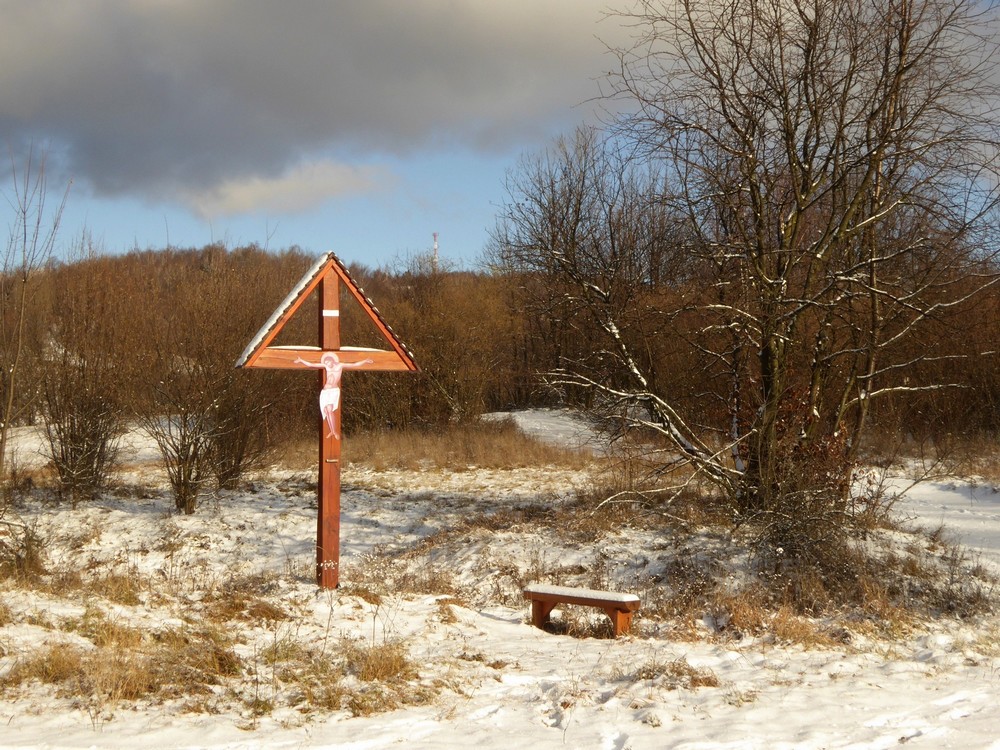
(619, 607)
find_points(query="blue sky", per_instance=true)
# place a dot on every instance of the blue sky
(356, 127)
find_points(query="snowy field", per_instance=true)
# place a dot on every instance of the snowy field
(496, 681)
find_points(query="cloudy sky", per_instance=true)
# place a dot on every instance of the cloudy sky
(358, 127)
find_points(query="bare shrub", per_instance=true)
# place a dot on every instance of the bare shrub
(22, 551)
(83, 428)
(973, 456)
(205, 436)
(764, 271)
(17, 484)
(212, 424)
(241, 421)
(182, 435)
(84, 391)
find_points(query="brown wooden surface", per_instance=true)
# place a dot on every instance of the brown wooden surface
(328, 513)
(386, 332)
(621, 622)
(289, 313)
(333, 269)
(284, 358)
(328, 490)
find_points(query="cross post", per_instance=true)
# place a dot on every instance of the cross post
(331, 359)
(328, 489)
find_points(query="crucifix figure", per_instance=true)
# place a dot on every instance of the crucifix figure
(329, 395)
(326, 278)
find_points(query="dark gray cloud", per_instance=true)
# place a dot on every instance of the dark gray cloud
(157, 97)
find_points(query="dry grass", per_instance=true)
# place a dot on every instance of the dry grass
(318, 684)
(584, 520)
(971, 457)
(51, 665)
(120, 588)
(787, 626)
(115, 586)
(674, 674)
(975, 456)
(21, 480)
(483, 445)
(361, 677)
(299, 454)
(459, 447)
(814, 606)
(105, 632)
(223, 607)
(244, 598)
(381, 662)
(445, 613)
(126, 665)
(579, 622)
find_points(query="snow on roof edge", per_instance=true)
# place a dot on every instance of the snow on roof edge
(289, 300)
(304, 283)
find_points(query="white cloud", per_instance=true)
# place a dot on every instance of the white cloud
(298, 190)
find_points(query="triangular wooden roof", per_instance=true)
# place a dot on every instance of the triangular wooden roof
(260, 353)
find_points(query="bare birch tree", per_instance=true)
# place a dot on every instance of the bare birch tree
(832, 165)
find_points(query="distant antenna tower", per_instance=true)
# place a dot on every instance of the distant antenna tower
(435, 261)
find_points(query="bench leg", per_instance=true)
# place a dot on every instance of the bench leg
(540, 612)
(621, 622)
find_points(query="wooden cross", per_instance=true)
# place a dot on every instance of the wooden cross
(331, 359)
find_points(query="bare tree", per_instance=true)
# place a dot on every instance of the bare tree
(833, 167)
(30, 242)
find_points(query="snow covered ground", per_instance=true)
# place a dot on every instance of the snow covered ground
(497, 682)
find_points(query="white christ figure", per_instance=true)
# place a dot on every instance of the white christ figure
(329, 396)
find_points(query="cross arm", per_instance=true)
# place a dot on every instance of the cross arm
(284, 358)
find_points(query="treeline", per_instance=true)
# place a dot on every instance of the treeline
(150, 338)
(106, 343)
